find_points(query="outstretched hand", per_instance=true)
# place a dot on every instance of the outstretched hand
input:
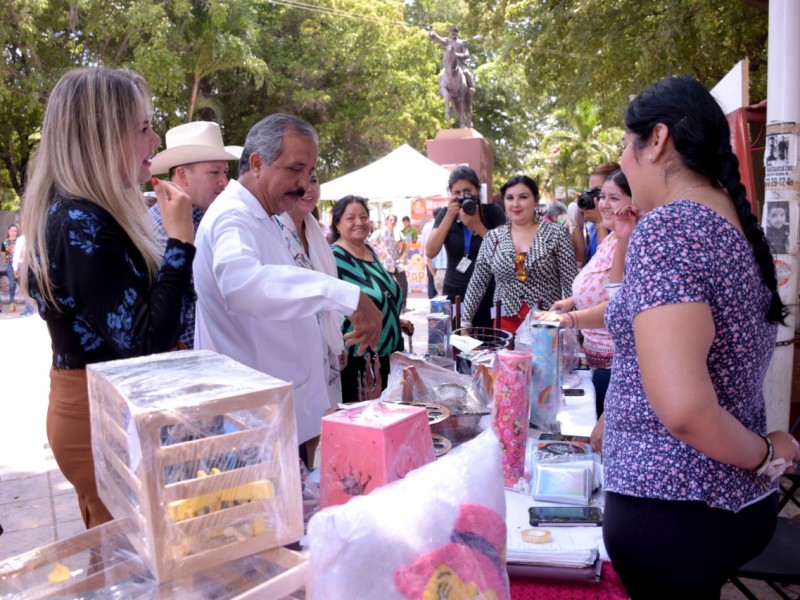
(367, 323)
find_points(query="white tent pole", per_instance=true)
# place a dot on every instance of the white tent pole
(782, 184)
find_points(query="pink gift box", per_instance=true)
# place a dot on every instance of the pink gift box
(370, 445)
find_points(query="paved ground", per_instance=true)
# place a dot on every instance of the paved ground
(37, 506)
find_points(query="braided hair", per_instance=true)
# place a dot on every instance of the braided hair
(701, 136)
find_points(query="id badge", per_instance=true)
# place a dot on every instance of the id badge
(463, 265)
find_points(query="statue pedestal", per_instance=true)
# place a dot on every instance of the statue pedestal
(454, 147)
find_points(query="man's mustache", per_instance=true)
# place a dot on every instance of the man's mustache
(299, 193)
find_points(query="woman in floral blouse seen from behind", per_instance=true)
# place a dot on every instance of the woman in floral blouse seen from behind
(107, 287)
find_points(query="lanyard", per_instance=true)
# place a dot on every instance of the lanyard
(467, 239)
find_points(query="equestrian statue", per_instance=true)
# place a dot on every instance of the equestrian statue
(456, 83)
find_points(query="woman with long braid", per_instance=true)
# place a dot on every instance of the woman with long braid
(687, 456)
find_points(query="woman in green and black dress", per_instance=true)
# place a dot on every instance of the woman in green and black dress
(357, 263)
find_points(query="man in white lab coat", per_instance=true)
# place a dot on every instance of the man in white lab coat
(253, 303)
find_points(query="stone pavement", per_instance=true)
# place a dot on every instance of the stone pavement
(37, 505)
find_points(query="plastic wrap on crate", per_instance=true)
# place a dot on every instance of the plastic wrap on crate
(443, 523)
(512, 392)
(200, 452)
(439, 329)
(545, 348)
(369, 445)
(101, 563)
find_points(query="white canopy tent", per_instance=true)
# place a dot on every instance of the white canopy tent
(398, 177)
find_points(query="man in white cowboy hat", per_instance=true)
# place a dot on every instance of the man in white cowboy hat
(197, 163)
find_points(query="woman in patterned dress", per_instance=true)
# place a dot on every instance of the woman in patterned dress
(586, 307)
(357, 263)
(104, 282)
(688, 463)
(310, 249)
(533, 261)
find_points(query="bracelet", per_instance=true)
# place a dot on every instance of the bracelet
(573, 320)
(767, 458)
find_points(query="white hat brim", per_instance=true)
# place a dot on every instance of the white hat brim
(185, 155)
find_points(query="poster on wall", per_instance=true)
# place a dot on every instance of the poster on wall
(780, 157)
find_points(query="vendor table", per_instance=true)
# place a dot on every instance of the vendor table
(577, 417)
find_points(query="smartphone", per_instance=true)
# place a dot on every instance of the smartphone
(572, 391)
(565, 516)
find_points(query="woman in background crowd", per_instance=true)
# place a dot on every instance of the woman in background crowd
(8, 254)
(532, 261)
(104, 283)
(687, 461)
(309, 248)
(357, 263)
(586, 308)
(461, 233)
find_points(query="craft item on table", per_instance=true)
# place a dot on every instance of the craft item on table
(469, 566)
(545, 345)
(450, 512)
(439, 329)
(512, 390)
(441, 304)
(567, 547)
(367, 446)
(566, 481)
(199, 452)
(536, 536)
(101, 563)
(441, 445)
(471, 344)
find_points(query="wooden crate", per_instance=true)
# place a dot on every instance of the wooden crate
(101, 563)
(200, 452)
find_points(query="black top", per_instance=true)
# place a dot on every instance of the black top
(110, 308)
(455, 282)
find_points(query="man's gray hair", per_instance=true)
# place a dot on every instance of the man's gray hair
(266, 138)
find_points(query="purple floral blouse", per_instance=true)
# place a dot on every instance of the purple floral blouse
(686, 252)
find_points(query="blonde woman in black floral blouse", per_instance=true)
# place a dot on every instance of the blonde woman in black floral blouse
(532, 261)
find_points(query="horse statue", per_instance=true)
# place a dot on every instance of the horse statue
(455, 90)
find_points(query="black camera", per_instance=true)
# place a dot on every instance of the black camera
(469, 203)
(588, 199)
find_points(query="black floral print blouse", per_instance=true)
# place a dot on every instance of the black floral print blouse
(109, 308)
(550, 263)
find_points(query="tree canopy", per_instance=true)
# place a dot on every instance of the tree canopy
(553, 75)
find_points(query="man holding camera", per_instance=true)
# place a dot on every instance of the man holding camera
(460, 229)
(589, 230)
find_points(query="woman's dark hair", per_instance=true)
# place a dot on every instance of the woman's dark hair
(619, 178)
(701, 135)
(338, 211)
(464, 173)
(524, 180)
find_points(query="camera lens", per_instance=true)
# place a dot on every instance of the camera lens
(468, 204)
(587, 200)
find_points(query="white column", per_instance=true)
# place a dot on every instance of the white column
(782, 184)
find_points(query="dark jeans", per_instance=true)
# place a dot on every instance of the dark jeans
(431, 284)
(600, 378)
(402, 281)
(12, 283)
(674, 549)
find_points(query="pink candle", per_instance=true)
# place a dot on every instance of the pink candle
(512, 391)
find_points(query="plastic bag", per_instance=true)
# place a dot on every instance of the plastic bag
(375, 546)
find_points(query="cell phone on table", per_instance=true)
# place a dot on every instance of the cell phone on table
(565, 516)
(572, 391)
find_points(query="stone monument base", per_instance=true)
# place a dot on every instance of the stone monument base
(454, 147)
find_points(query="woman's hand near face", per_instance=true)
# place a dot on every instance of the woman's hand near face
(176, 211)
(626, 219)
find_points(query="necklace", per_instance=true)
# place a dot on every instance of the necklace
(687, 190)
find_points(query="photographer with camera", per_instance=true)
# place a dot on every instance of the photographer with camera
(589, 230)
(460, 229)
